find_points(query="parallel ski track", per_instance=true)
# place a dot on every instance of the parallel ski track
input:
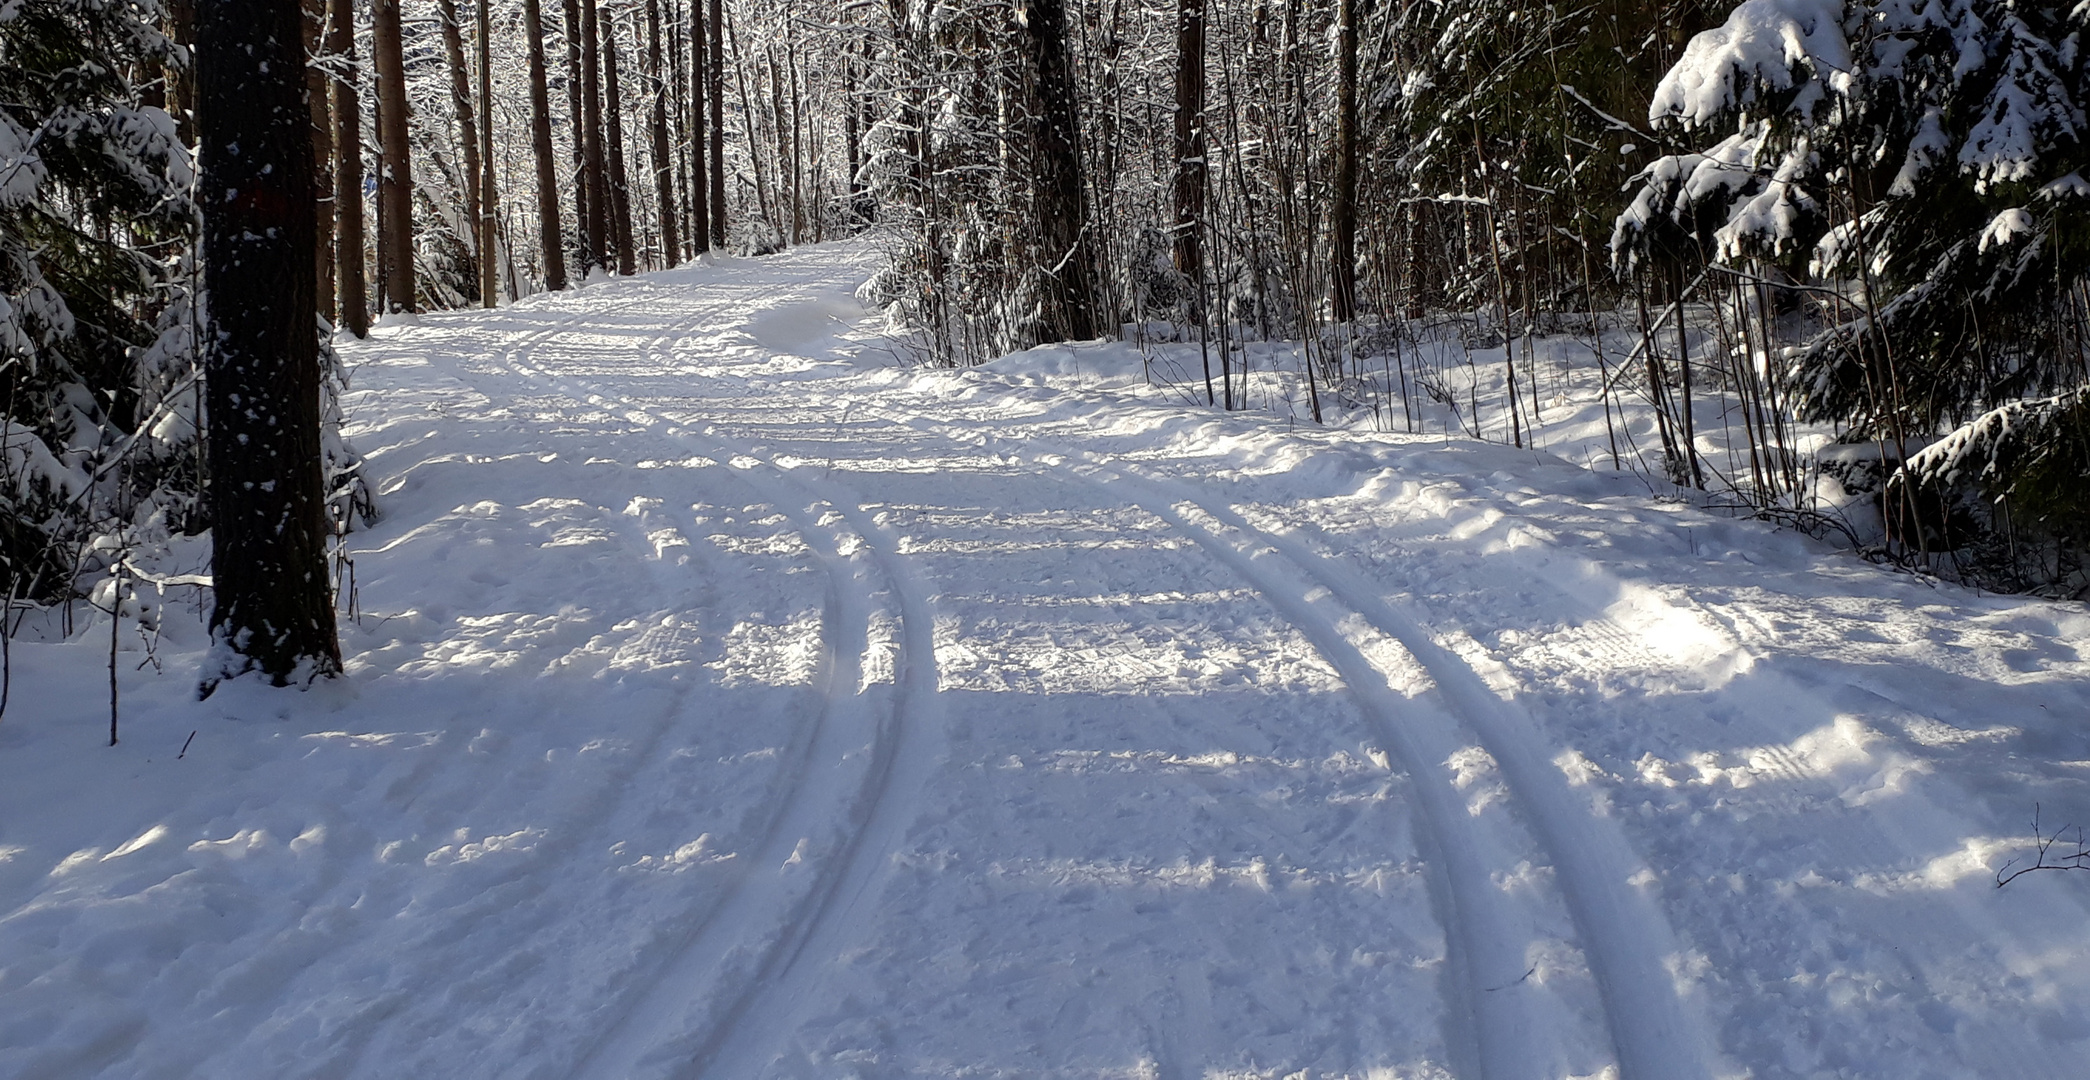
(749, 1020)
(355, 1049)
(1625, 936)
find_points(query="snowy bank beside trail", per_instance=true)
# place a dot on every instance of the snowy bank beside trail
(728, 700)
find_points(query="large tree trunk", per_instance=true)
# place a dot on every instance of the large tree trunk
(1191, 174)
(663, 157)
(577, 129)
(271, 608)
(348, 169)
(597, 170)
(1069, 270)
(699, 124)
(613, 151)
(717, 98)
(314, 24)
(1342, 201)
(467, 128)
(395, 182)
(541, 148)
(489, 201)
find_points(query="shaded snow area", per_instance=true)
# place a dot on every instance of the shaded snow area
(729, 701)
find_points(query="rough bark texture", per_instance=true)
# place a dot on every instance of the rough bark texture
(663, 159)
(395, 182)
(541, 148)
(577, 119)
(467, 126)
(489, 201)
(613, 151)
(313, 25)
(1069, 273)
(349, 250)
(181, 81)
(1342, 200)
(271, 609)
(1191, 182)
(596, 171)
(717, 99)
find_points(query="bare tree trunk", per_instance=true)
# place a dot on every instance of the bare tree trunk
(786, 186)
(380, 240)
(348, 169)
(678, 77)
(271, 608)
(1342, 209)
(541, 148)
(489, 200)
(699, 126)
(1191, 173)
(663, 159)
(1070, 298)
(613, 145)
(395, 185)
(322, 132)
(747, 130)
(468, 129)
(597, 171)
(577, 117)
(717, 97)
(181, 80)
(852, 144)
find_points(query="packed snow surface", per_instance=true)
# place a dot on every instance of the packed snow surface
(729, 699)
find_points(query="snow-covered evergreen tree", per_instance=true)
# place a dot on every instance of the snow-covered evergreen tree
(1926, 162)
(94, 208)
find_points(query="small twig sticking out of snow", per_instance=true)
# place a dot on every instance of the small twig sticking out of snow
(2043, 844)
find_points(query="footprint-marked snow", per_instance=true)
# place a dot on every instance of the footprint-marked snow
(728, 700)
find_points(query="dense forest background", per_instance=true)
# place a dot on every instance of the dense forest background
(1857, 225)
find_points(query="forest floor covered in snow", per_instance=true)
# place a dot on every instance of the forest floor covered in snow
(726, 698)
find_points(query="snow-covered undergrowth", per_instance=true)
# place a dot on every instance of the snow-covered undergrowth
(729, 700)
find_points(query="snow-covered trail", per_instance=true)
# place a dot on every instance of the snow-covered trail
(730, 702)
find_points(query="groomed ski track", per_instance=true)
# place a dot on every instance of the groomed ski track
(736, 702)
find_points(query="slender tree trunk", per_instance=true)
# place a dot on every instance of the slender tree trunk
(678, 77)
(1342, 208)
(747, 131)
(322, 131)
(591, 130)
(1191, 174)
(181, 80)
(799, 216)
(553, 245)
(348, 169)
(271, 609)
(852, 144)
(380, 240)
(786, 188)
(613, 145)
(1070, 300)
(699, 126)
(489, 200)
(663, 158)
(717, 97)
(577, 117)
(467, 127)
(395, 186)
